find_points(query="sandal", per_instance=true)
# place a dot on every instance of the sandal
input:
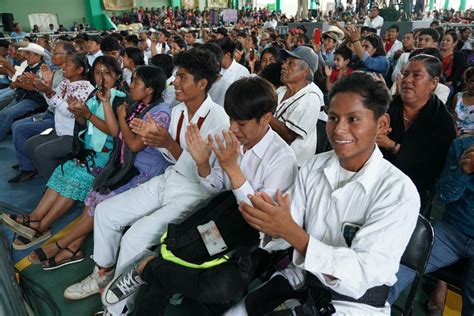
(22, 228)
(39, 252)
(52, 264)
(28, 243)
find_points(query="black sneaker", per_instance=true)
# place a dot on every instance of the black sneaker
(23, 176)
(122, 287)
(16, 167)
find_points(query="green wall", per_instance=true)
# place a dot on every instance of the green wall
(67, 10)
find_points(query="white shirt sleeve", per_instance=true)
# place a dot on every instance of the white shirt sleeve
(302, 118)
(375, 251)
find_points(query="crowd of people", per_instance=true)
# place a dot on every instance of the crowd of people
(323, 147)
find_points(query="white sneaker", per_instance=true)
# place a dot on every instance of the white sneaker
(91, 285)
(122, 287)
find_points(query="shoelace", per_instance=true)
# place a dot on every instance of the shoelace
(128, 283)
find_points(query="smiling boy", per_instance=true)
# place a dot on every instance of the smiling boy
(350, 215)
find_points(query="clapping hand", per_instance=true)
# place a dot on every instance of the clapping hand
(78, 107)
(151, 132)
(467, 161)
(197, 146)
(47, 74)
(268, 216)
(327, 71)
(227, 153)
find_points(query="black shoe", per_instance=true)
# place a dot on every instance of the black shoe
(16, 167)
(23, 176)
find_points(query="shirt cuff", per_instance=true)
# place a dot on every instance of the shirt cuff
(242, 192)
(317, 261)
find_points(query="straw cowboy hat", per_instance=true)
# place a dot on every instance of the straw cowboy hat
(335, 33)
(34, 48)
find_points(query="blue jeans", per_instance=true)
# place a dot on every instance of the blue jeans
(449, 246)
(6, 93)
(13, 111)
(24, 129)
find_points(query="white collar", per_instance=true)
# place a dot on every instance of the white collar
(365, 176)
(261, 147)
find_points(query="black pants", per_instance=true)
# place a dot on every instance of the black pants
(267, 297)
(219, 285)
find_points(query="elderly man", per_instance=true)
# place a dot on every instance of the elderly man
(299, 102)
(374, 20)
(27, 99)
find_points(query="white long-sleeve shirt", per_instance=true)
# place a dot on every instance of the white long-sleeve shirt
(63, 119)
(397, 45)
(235, 72)
(268, 166)
(300, 113)
(375, 23)
(214, 120)
(379, 199)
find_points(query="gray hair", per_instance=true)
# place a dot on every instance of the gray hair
(432, 64)
(304, 66)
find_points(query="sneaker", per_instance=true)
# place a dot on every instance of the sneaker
(23, 175)
(122, 287)
(91, 285)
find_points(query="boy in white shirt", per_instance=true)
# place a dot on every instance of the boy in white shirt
(350, 216)
(253, 159)
(167, 198)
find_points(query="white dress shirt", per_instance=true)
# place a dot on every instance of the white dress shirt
(169, 94)
(235, 72)
(215, 120)
(91, 57)
(381, 200)
(268, 166)
(300, 113)
(218, 90)
(375, 23)
(402, 61)
(397, 45)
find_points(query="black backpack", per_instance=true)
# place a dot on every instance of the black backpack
(184, 239)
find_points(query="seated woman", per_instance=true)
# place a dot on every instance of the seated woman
(132, 58)
(463, 104)
(131, 163)
(421, 127)
(369, 50)
(92, 145)
(453, 61)
(39, 153)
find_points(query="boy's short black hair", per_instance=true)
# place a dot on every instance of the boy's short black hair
(345, 52)
(227, 45)
(200, 63)
(250, 98)
(133, 39)
(165, 62)
(215, 49)
(109, 44)
(135, 54)
(374, 93)
(430, 32)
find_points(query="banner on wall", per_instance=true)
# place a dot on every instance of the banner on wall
(217, 3)
(118, 4)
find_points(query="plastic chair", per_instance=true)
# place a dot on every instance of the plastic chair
(416, 257)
